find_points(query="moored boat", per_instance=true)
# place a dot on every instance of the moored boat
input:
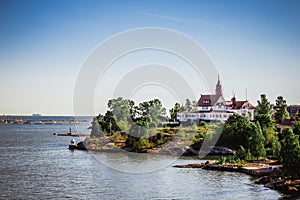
(73, 144)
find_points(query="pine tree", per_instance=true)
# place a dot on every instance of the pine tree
(256, 141)
(290, 153)
(296, 129)
(263, 115)
(275, 146)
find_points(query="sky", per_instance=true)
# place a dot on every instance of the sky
(43, 45)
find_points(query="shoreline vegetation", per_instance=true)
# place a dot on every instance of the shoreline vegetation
(144, 128)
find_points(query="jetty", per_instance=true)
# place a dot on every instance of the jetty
(73, 135)
(252, 169)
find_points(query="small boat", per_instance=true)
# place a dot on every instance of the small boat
(73, 144)
(79, 146)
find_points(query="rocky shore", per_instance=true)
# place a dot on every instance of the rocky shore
(175, 148)
(264, 175)
(286, 185)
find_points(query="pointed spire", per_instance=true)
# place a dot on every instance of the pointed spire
(219, 87)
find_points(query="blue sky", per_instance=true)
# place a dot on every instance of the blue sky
(254, 44)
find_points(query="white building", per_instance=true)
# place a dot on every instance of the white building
(214, 107)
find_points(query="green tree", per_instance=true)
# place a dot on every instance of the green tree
(297, 115)
(138, 137)
(241, 153)
(121, 108)
(145, 116)
(263, 112)
(149, 112)
(275, 146)
(195, 105)
(280, 108)
(256, 141)
(96, 128)
(123, 125)
(101, 121)
(290, 153)
(263, 115)
(188, 105)
(108, 123)
(111, 122)
(296, 129)
(157, 111)
(235, 132)
(173, 112)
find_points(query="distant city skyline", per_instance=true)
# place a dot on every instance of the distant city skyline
(255, 45)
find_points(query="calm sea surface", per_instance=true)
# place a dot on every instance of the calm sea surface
(35, 164)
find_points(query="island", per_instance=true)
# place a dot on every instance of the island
(242, 141)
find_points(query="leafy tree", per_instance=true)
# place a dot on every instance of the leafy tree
(235, 132)
(101, 122)
(290, 153)
(138, 137)
(157, 111)
(280, 108)
(121, 108)
(124, 125)
(195, 105)
(108, 123)
(145, 116)
(256, 141)
(173, 112)
(188, 105)
(149, 112)
(96, 128)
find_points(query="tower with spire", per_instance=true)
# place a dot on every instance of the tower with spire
(219, 88)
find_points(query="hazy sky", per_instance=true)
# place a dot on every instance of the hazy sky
(254, 45)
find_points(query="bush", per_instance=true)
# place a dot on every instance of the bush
(123, 125)
(222, 160)
(248, 156)
(241, 153)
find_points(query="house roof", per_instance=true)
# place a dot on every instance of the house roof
(208, 100)
(239, 104)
